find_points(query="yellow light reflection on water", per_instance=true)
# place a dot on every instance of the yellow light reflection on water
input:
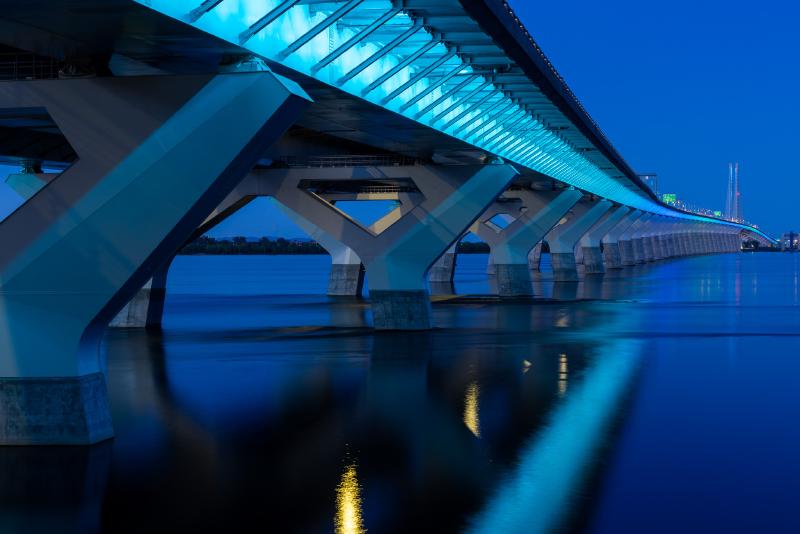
(563, 375)
(526, 365)
(348, 518)
(471, 414)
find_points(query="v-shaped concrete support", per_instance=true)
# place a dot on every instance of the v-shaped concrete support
(398, 258)
(590, 242)
(565, 236)
(78, 250)
(510, 245)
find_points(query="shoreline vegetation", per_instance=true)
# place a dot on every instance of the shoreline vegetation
(280, 246)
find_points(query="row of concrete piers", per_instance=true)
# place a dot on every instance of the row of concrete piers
(586, 236)
(157, 160)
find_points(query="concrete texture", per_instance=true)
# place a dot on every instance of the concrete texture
(55, 411)
(346, 280)
(612, 257)
(444, 269)
(593, 260)
(564, 267)
(400, 309)
(535, 257)
(513, 280)
(638, 250)
(626, 252)
(648, 253)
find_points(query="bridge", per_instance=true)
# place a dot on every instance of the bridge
(143, 123)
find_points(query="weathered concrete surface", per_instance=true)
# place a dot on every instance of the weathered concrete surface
(535, 257)
(564, 267)
(648, 253)
(444, 269)
(146, 308)
(611, 255)
(593, 260)
(346, 279)
(513, 280)
(400, 309)
(638, 250)
(626, 252)
(54, 411)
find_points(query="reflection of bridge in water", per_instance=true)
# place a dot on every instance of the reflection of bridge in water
(445, 421)
(180, 112)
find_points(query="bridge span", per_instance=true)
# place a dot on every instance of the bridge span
(163, 117)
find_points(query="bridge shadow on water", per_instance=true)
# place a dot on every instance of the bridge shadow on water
(288, 412)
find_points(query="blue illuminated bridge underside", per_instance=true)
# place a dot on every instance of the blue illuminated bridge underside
(485, 84)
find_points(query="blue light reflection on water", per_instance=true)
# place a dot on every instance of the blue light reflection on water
(260, 391)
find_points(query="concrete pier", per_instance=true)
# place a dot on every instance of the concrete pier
(564, 267)
(614, 241)
(442, 273)
(588, 251)
(512, 245)
(346, 279)
(593, 260)
(80, 248)
(70, 410)
(564, 237)
(513, 280)
(399, 249)
(535, 257)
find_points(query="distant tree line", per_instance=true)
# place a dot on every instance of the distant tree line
(265, 245)
(240, 245)
(473, 247)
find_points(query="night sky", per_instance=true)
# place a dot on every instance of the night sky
(680, 88)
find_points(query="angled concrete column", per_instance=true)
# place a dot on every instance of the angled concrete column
(722, 237)
(656, 248)
(631, 241)
(146, 308)
(638, 238)
(590, 242)
(702, 238)
(444, 268)
(535, 257)
(648, 250)
(691, 242)
(76, 252)
(612, 246)
(563, 237)
(655, 243)
(26, 184)
(346, 278)
(399, 249)
(512, 245)
(697, 242)
(714, 237)
(669, 241)
(735, 242)
(678, 240)
(665, 242)
(686, 242)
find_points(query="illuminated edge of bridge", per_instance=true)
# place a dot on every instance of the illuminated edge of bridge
(319, 43)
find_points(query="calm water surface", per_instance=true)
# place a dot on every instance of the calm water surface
(662, 398)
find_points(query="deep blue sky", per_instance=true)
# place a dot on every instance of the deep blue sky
(680, 88)
(683, 87)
